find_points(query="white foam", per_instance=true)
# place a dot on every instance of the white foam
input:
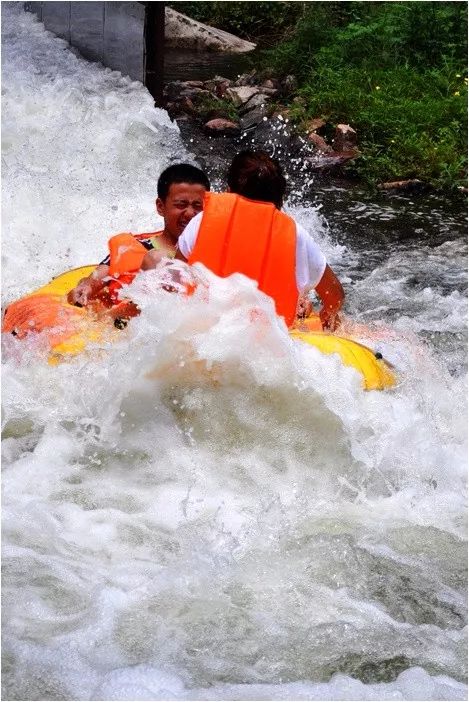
(82, 148)
(205, 509)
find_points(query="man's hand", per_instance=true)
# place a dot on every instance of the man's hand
(83, 292)
(89, 287)
(123, 310)
(151, 259)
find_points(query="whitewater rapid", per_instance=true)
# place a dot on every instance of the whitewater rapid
(205, 509)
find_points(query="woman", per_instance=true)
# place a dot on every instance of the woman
(244, 231)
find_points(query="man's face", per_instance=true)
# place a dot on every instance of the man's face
(183, 201)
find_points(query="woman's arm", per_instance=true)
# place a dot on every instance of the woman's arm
(332, 296)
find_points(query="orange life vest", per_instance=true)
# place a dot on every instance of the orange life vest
(238, 235)
(126, 255)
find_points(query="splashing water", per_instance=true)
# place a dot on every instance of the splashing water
(205, 509)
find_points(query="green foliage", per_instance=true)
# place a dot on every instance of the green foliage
(209, 107)
(410, 124)
(393, 70)
(384, 34)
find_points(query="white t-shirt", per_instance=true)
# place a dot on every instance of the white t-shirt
(310, 260)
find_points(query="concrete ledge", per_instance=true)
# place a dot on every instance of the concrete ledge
(181, 32)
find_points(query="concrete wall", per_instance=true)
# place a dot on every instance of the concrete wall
(112, 33)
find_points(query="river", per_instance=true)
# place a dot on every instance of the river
(206, 509)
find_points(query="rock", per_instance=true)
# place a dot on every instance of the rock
(217, 84)
(320, 144)
(345, 138)
(289, 84)
(172, 109)
(330, 161)
(187, 106)
(313, 124)
(193, 93)
(194, 83)
(241, 95)
(221, 127)
(183, 32)
(271, 83)
(271, 92)
(173, 89)
(178, 89)
(220, 90)
(247, 79)
(181, 107)
(253, 117)
(256, 100)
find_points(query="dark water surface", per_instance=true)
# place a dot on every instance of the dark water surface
(187, 64)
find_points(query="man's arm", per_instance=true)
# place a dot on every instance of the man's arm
(88, 287)
(151, 260)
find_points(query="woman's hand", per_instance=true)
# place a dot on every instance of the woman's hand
(331, 293)
(305, 307)
(329, 321)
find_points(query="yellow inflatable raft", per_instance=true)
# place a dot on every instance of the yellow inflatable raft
(73, 328)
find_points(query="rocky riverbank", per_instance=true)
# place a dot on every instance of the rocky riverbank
(251, 109)
(257, 109)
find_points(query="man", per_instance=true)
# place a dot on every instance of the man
(181, 190)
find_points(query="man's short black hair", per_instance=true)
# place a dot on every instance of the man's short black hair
(181, 173)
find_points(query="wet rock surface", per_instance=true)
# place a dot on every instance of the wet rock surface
(345, 138)
(221, 127)
(258, 110)
(320, 143)
(410, 185)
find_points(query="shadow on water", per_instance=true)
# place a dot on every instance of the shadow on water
(187, 64)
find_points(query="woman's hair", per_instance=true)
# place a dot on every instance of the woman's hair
(254, 174)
